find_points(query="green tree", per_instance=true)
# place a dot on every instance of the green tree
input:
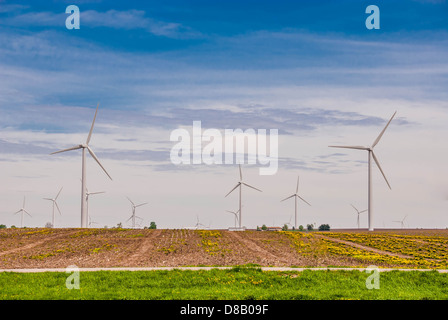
(324, 227)
(264, 228)
(309, 227)
(300, 228)
(2, 226)
(152, 225)
(285, 227)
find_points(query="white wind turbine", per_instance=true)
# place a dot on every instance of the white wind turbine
(401, 221)
(22, 211)
(358, 212)
(371, 155)
(296, 197)
(85, 146)
(55, 204)
(240, 184)
(91, 222)
(198, 224)
(88, 194)
(235, 213)
(288, 224)
(133, 216)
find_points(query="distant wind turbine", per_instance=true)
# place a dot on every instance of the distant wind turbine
(288, 224)
(88, 194)
(240, 184)
(401, 221)
(358, 212)
(22, 211)
(370, 155)
(133, 216)
(91, 222)
(85, 146)
(235, 213)
(296, 196)
(55, 204)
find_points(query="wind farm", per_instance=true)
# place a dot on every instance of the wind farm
(153, 151)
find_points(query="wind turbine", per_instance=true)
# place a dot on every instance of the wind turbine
(55, 204)
(402, 221)
(133, 216)
(371, 155)
(235, 213)
(288, 224)
(83, 180)
(87, 200)
(22, 210)
(240, 184)
(296, 196)
(91, 222)
(358, 212)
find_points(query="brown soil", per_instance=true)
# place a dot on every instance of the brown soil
(59, 248)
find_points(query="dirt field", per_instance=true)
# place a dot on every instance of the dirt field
(59, 248)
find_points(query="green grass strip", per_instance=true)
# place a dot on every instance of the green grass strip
(237, 283)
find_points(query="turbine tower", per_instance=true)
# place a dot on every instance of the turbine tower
(358, 212)
(240, 184)
(22, 211)
(371, 155)
(85, 146)
(55, 204)
(296, 197)
(133, 216)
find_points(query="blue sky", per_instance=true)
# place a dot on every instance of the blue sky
(310, 69)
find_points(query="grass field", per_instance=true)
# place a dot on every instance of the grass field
(237, 283)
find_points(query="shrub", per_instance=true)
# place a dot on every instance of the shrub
(324, 227)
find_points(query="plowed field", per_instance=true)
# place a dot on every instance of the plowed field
(59, 248)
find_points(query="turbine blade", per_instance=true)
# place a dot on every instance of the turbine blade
(247, 185)
(379, 167)
(98, 161)
(288, 198)
(97, 192)
(351, 147)
(58, 193)
(297, 188)
(91, 128)
(18, 211)
(382, 132)
(239, 183)
(304, 200)
(26, 212)
(241, 173)
(354, 208)
(362, 211)
(57, 207)
(69, 149)
(133, 204)
(129, 218)
(139, 205)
